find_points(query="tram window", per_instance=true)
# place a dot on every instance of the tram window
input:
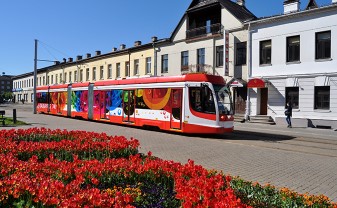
(42, 97)
(202, 100)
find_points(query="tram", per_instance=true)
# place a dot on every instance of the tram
(190, 103)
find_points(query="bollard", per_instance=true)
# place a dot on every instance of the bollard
(14, 116)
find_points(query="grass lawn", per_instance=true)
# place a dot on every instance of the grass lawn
(9, 122)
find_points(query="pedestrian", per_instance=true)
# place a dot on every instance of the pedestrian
(289, 113)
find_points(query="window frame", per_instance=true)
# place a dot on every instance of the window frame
(291, 49)
(321, 52)
(136, 67)
(319, 95)
(219, 60)
(241, 53)
(293, 99)
(148, 65)
(164, 63)
(265, 52)
(184, 60)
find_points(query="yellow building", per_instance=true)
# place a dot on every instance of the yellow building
(122, 63)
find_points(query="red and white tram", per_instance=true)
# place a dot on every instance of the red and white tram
(191, 103)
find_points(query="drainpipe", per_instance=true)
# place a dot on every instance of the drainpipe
(129, 63)
(249, 72)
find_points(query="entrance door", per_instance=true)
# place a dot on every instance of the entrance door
(264, 101)
(176, 103)
(240, 97)
(128, 106)
(102, 104)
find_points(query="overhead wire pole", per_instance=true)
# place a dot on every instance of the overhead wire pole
(35, 76)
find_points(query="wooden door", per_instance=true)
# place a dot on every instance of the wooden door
(240, 97)
(264, 101)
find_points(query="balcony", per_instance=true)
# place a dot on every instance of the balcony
(204, 32)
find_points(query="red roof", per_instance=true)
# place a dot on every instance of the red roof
(182, 78)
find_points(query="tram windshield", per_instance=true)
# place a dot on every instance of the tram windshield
(224, 99)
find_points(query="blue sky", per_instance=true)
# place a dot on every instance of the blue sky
(69, 28)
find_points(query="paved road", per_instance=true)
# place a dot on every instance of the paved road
(302, 159)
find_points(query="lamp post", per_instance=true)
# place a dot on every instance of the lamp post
(35, 76)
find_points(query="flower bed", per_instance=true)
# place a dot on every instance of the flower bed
(58, 168)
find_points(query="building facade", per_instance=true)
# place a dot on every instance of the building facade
(211, 37)
(294, 59)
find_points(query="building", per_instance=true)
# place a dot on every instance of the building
(294, 59)
(210, 37)
(6, 83)
(122, 63)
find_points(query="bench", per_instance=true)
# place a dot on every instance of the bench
(2, 119)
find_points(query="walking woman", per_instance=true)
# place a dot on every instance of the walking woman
(289, 114)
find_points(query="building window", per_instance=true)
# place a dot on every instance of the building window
(293, 48)
(323, 45)
(265, 52)
(65, 77)
(44, 80)
(322, 97)
(56, 79)
(241, 51)
(136, 67)
(94, 73)
(184, 60)
(81, 75)
(219, 56)
(70, 79)
(109, 71)
(127, 69)
(201, 59)
(52, 79)
(164, 63)
(101, 72)
(61, 78)
(118, 70)
(148, 65)
(87, 74)
(75, 76)
(292, 94)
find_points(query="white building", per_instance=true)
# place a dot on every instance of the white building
(199, 43)
(294, 58)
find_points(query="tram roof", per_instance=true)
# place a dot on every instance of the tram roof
(181, 78)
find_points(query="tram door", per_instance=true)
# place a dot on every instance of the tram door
(102, 105)
(129, 106)
(176, 103)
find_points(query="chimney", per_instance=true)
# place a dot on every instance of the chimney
(78, 58)
(88, 55)
(70, 60)
(56, 62)
(291, 6)
(138, 43)
(64, 60)
(154, 39)
(122, 47)
(241, 2)
(98, 53)
(114, 49)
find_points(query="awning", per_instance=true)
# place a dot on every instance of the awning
(236, 82)
(257, 83)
